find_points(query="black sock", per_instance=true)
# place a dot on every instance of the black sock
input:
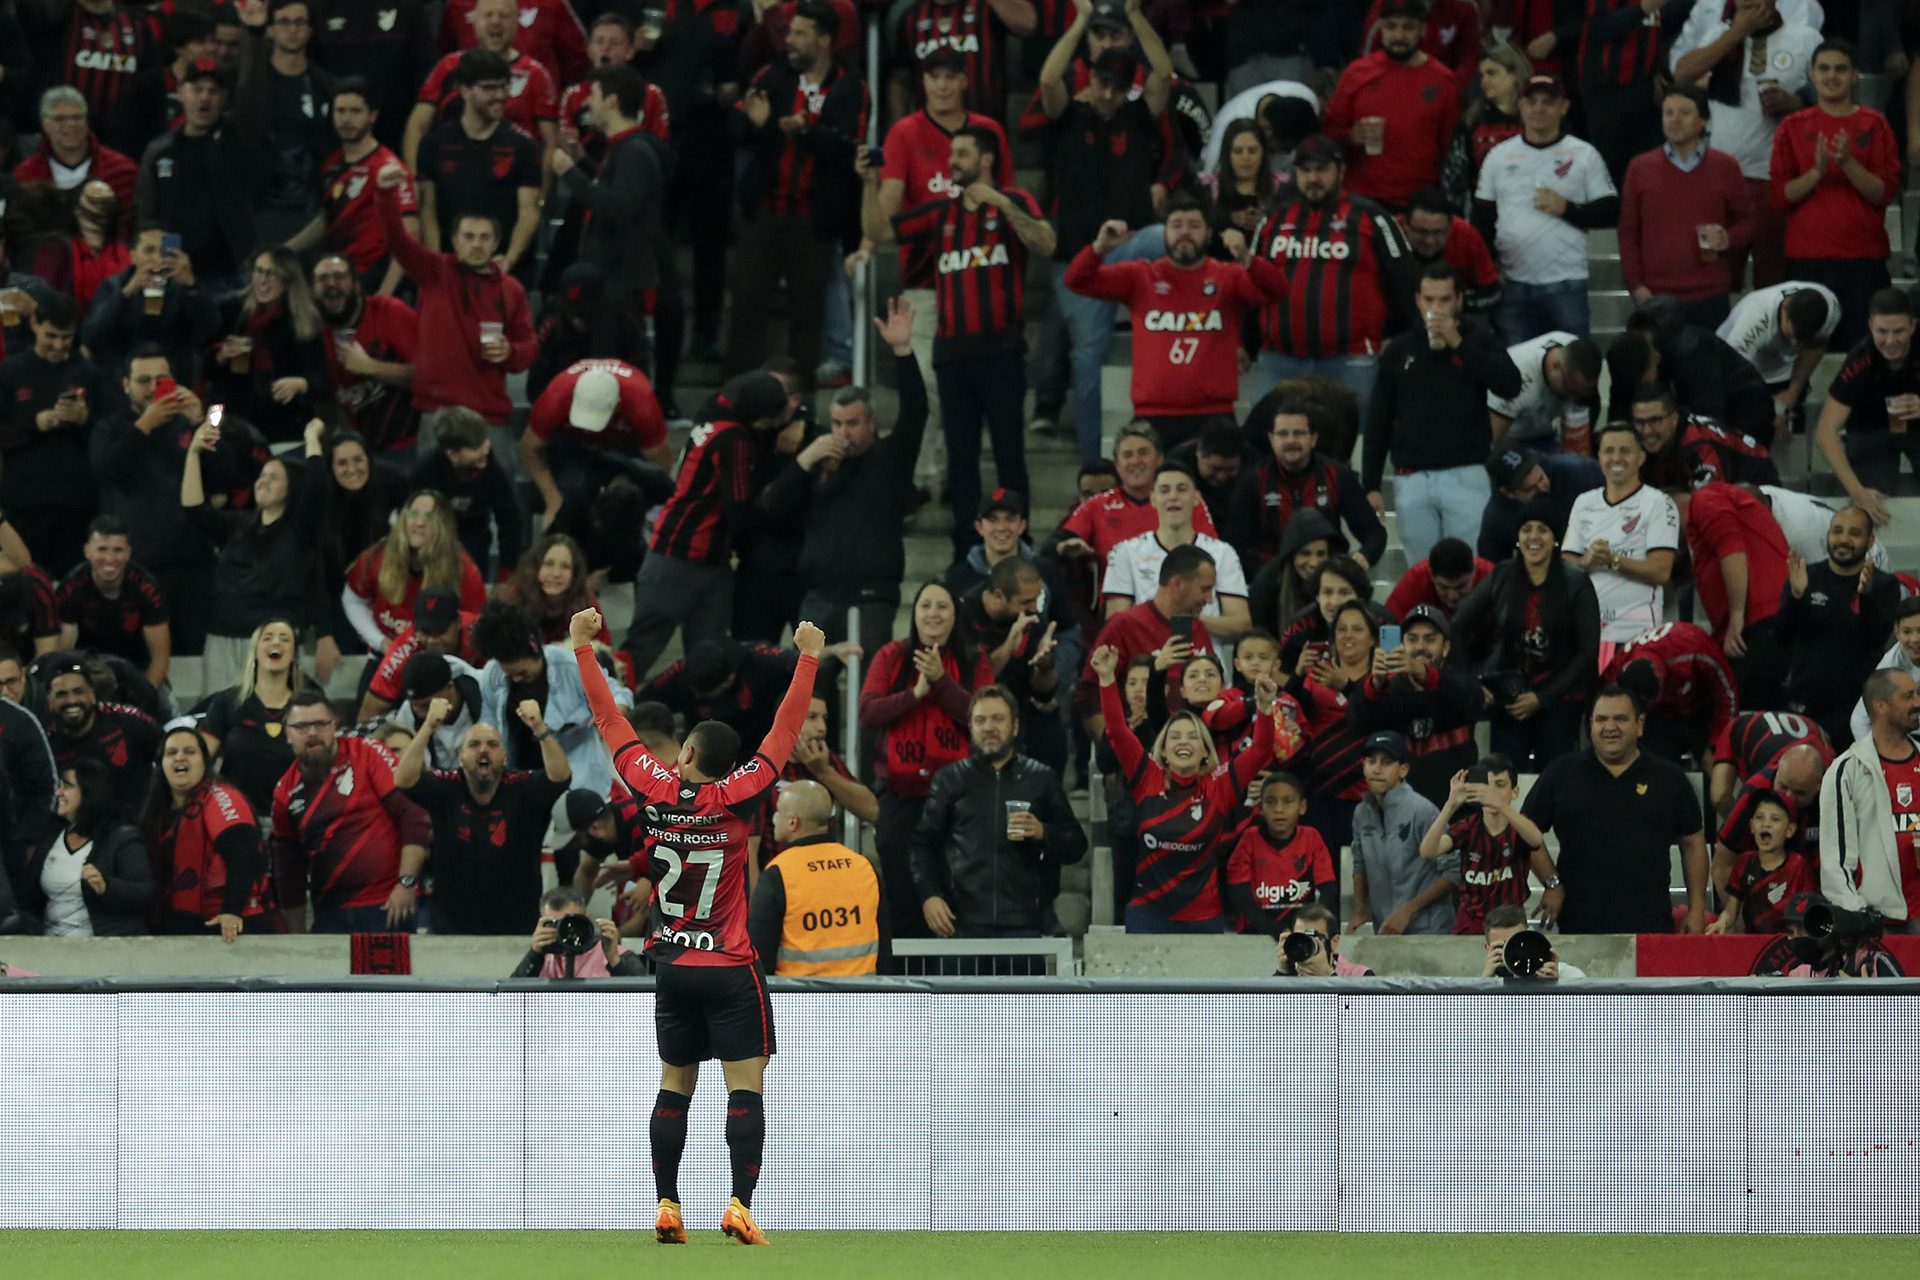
(746, 1136)
(667, 1134)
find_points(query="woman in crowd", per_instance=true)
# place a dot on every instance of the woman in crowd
(915, 696)
(1308, 633)
(1491, 117)
(1335, 780)
(266, 554)
(207, 852)
(1534, 627)
(361, 498)
(1284, 585)
(271, 368)
(245, 725)
(550, 586)
(1184, 796)
(92, 879)
(421, 550)
(97, 248)
(1238, 192)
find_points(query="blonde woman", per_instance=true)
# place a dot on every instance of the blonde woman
(271, 367)
(244, 724)
(422, 550)
(1491, 117)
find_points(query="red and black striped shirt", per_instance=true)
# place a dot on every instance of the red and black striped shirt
(716, 477)
(1336, 257)
(791, 190)
(100, 54)
(1754, 741)
(1493, 871)
(1616, 47)
(973, 29)
(979, 271)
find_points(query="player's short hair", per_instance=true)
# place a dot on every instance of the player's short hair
(59, 311)
(1807, 311)
(1907, 608)
(1315, 913)
(1606, 429)
(1430, 200)
(1836, 44)
(1657, 393)
(1138, 430)
(1012, 574)
(477, 66)
(1349, 571)
(1890, 302)
(1184, 201)
(1443, 270)
(1219, 439)
(984, 140)
(1495, 763)
(652, 717)
(108, 526)
(716, 748)
(1183, 562)
(458, 427)
(1616, 690)
(1294, 408)
(1692, 93)
(821, 15)
(1450, 558)
(564, 898)
(1098, 467)
(358, 87)
(988, 692)
(625, 85)
(1168, 467)
(1879, 685)
(1281, 778)
(308, 696)
(1505, 916)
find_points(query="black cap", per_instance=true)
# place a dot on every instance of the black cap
(208, 69)
(581, 287)
(1318, 149)
(1116, 65)
(426, 673)
(1544, 82)
(436, 611)
(1430, 616)
(944, 58)
(1394, 744)
(747, 398)
(583, 807)
(1509, 465)
(1003, 500)
(1795, 912)
(1109, 13)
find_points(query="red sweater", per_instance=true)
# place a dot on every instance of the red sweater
(1421, 106)
(455, 301)
(1724, 520)
(1660, 207)
(921, 735)
(109, 166)
(1834, 221)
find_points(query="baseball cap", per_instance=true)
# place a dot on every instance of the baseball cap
(1795, 912)
(426, 672)
(1318, 149)
(207, 69)
(1109, 13)
(747, 398)
(436, 610)
(1003, 500)
(581, 287)
(1509, 465)
(1431, 616)
(1117, 65)
(1404, 9)
(583, 806)
(1394, 744)
(1544, 82)
(945, 58)
(595, 396)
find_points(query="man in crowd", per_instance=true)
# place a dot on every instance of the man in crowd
(596, 420)
(1740, 571)
(203, 179)
(816, 910)
(286, 97)
(1874, 399)
(996, 830)
(1708, 377)
(548, 30)
(1902, 655)
(343, 834)
(1425, 417)
(438, 627)
(1835, 169)
(70, 156)
(1870, 809)
(1134, 565)
(1414, 693)
(109, 605)
(1441, 581)
(1538, 195)
(1348, 270)
(348, 193)
(1502, 923)
(523, 90)
(1685, 213)
(1395, 108)
(1617, 870)
(1216, 457)
(80, 726)
(1394, 888)
(1186, 585)
(371, 343)
(1795, 781)
(1298, 477)
(1435, 233)
(1687, 454)
(488, 821)
(157, 299)
(1626, 535)
(1558, 398)
(1782, 331)
(429, 677)
(478, 165)
(1759, 741)
(1833, 620)
(50, 397)
(1519, 476)
(1112, 515)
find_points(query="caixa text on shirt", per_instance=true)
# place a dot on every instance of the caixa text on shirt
(1183, 322)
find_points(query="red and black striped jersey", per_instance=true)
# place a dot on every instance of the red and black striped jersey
(1707, 453)
(1695, 681)
(1493, 871)
(1764, 894)
(1754, 741)
(1181, 824)
(715, 483)
(790, 189)
(100, 54)
(918, 156)
(980, 270)
(971, 28)
(1339, 258)
(1617, 47)
(209, 855)
(1737, 834)
(337, 838)
(1339, 745)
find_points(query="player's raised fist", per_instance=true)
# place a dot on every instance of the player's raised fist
(809, 639)
(583, 627)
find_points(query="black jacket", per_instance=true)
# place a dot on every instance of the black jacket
(1488, 627)
(48, 470)
(1835, 636)
(27, 820)
(115, 324)
(856, 514)
(122, 858)
(139, 476)
(624, 202)
(279, 353)
(264, 571)
(1263, 593)
(1437, 717)
(1429, 408)
(1709, 378)
(237, 174)
(961, 852)
(834, 192)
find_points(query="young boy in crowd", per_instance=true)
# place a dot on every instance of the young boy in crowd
(1497, 845)
(1277, 866)
(1766, 877)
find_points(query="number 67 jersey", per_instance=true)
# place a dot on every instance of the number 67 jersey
(696, 832)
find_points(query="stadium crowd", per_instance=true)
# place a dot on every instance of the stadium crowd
(345, 334)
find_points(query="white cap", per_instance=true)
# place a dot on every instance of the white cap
(595, 396)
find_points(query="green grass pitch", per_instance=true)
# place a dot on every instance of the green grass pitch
(833, 1255)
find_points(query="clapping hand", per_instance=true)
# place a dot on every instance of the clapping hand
(932, 671)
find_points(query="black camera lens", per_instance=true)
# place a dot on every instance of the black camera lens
(1526, 953)
(574, 935)
(1299, 947)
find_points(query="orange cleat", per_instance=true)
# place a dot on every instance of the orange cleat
(667, 1227)
(739, 1224)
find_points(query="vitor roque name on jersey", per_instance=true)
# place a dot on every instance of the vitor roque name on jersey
(1183, 322)
(1286, 246)
(979, 255)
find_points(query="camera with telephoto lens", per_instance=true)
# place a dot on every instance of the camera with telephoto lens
(1300, 947)
(1837, 925)
(1526, 953)
(573, 935)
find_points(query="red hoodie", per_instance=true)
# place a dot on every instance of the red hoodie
(455, 301)
(109, 166)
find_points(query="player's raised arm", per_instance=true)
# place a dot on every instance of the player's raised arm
(787, 721)
(613, 726)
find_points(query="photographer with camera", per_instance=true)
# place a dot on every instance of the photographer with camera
(1870, 809)
(1518, 952)
(569, 943)
(1310, 948)
(1823, 941)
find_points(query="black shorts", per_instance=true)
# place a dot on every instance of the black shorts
(711, 1011)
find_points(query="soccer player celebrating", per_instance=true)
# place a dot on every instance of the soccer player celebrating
(709, 998)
